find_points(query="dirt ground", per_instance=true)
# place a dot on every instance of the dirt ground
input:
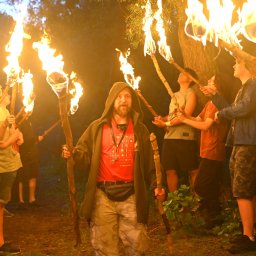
(48, 230)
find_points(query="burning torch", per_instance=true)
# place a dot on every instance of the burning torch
(133, 81)
(59, 82)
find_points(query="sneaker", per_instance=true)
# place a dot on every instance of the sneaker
(7, 213)
(243, 244)
(9, 249)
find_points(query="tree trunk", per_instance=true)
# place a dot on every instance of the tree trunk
(198, 57)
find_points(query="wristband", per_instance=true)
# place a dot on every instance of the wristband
(168, 124)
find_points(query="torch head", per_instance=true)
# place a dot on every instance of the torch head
(59, 82)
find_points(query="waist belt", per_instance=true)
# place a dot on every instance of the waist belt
(117, 191)
(110, 183)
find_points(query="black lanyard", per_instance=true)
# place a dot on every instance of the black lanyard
(124, 128)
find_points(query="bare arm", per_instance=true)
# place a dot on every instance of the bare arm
(201, 125)
(4, 124)
(16, 136)
(160, 121)
(188, 111)
(3, 127)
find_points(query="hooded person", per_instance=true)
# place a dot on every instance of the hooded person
(116, 153)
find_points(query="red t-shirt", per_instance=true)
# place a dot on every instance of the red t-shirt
(117, 161)
(212, 144)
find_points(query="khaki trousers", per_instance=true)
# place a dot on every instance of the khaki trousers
(113, 220)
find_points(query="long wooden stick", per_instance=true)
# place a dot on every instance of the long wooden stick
(17, 116)
(25, 115)
(70, 165)
(161, 76)
(159, 187)
(13, 98)
(164, 81)
(21, 112)
(5, 91)
(149, 107)
(47, 131)
(182, 70)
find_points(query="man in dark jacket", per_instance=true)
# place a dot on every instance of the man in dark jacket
(115, 150)
(242, 113)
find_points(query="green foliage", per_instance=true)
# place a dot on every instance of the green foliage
(180, 207)
(135, 15)
(231, 217)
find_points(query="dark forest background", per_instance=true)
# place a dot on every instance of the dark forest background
(87, 39)
(87, 33)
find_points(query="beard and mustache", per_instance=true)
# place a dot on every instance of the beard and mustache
(122, 110)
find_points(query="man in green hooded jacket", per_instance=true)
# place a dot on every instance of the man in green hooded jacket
(116, 152)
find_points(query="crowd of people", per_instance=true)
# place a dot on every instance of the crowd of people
(116, 153)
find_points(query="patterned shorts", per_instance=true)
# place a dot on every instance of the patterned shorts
(243, 171)
(112, 221)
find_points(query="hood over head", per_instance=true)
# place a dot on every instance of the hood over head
(113, 93)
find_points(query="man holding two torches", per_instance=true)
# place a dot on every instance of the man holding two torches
(116, 152)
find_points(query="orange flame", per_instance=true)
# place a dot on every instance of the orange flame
(248, 20)
(14, 48)
(27, 92)
(56, 77)
(128, 70)
(51, 63)
(196, 24)
(76, 93)
(222, 28)
(149, 45)
(163, 48)
(199, 28)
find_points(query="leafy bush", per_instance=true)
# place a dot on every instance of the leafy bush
(232, 223)
(181, 206)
